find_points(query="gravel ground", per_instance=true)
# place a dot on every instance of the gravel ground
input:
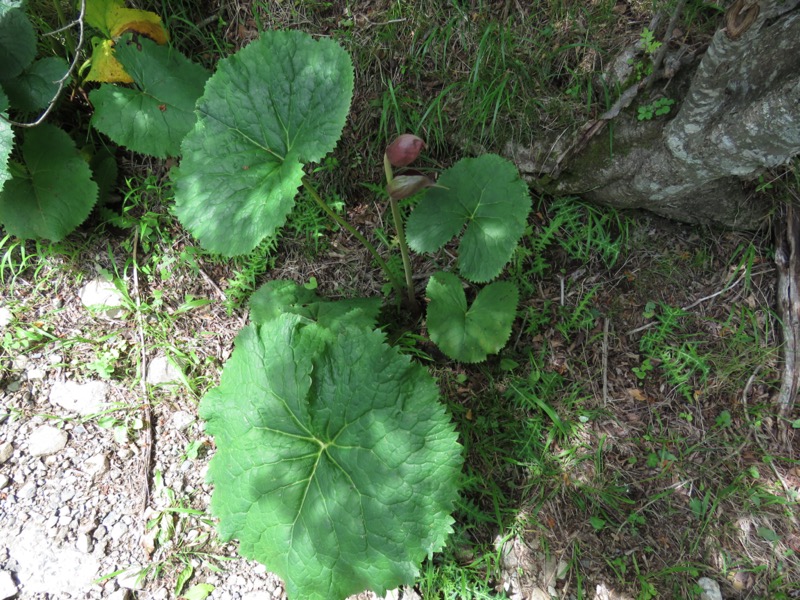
(72, 508)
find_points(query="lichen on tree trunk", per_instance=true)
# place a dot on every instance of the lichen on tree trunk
(740, 116)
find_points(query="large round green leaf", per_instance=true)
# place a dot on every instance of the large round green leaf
(488, 196)
(36, 86)
(277, 297)
(17, 43)
(6, 140)
(336, 464)
(470, 334)
(280, 102)
(56, 193)
(155, 115)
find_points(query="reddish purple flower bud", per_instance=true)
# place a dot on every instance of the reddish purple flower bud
(404, 150)
(404, 186)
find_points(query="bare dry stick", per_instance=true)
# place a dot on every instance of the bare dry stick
(147, 449)
(212, 283)
(662, 51)
(605, 361)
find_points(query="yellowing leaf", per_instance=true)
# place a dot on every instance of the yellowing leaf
(112, 18)
(142, 22)
(105, 67)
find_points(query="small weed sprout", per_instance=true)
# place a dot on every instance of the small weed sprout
(649, 46)
(656, 108)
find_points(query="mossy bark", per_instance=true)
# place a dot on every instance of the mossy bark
(740, 116)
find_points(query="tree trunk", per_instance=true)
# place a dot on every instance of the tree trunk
(740, 116)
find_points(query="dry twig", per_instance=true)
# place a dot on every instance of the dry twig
(147, 448)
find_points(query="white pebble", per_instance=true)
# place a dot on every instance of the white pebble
(6, 450)
(7, 586)
(46, 440)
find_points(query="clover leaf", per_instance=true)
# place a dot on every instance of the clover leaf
(279, 103)
(52, 192)
(155, 115)
(470, 334)
(277, 297)
(488, 196)
(336, 464)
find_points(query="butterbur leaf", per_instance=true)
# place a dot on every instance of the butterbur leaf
(336, 464)
(6, 140)
(278, 297)
(470, 334)
(36, 86)
(488, 196)
(154, 116)
(17, 43)
(293, 98)
(280, 102)
(55, 195)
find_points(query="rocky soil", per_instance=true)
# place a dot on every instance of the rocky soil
(84, 512)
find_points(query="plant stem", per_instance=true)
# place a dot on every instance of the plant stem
(397, 284)
(401, 240)
(69, 42)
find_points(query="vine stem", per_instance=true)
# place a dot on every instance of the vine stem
(309, 186)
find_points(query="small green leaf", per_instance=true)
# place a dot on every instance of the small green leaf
(201, 591)
(277, 297)
(36, 86)
(280, 102)
(336, 464)
(508, 364)
(724, 419)
(154, 116)
(17, 43)
(470, 334)
(597, 523)
(184, 576)
(488, 196)
(57, 192)
(768, 534)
